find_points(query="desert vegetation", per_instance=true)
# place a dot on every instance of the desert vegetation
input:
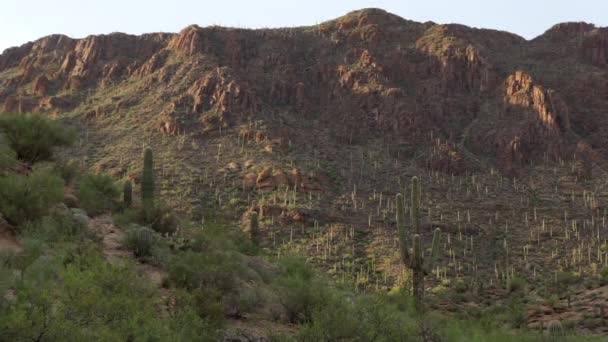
(365, 179)
(168, 278)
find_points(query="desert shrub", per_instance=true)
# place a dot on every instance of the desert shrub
(460, 286)
(300, 290)
(33, 136)
(210, 279)
(126, 217)
(73, 294)
(141, 240)
(471, 331)
(516, 284)
(27, 198)
(160, 218)
(213, 269)
(246, 299)
(69, 170)
(8, 157)
(97, 193)
(604, 275)
(60, 224)
(358, 318)
(516, 313)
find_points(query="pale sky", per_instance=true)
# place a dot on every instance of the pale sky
(26, 20)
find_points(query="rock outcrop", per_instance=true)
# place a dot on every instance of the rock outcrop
(595, 47)
(551, 110)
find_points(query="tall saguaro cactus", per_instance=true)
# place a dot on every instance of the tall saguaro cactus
(418, 263)
(415, 209)
(127, 195)
(147, 179)
(254, 229)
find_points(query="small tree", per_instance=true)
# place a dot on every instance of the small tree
(147, 180)
(33, 136)
(98, 193)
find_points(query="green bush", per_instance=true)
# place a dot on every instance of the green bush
(60, 225)
(208, 277)
(516, 284)
(300, 290)
(73, 294)
(604, 275)
(8, 157)
(98, 193)
(213, 269)
(33, 136)
(359, 318)
(160, 218)
(28, 198)
(69, 171)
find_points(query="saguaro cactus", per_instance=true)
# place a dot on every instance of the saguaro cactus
(401, 230)
(418, 263)
(254, 228)
(555, 329)
(127, 195)
(147, 179)
(415, 209)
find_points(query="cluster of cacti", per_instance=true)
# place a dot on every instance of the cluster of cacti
(418, 263)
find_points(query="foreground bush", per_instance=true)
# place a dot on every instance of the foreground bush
(98, 193)
(207, 269)
(60, 225)
(27, 198)
(8, 157)
(300, 290)
(361, 318)
(73, 294)
(33, 136)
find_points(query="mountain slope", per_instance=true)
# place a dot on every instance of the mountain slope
(364, 73)
(318, 127)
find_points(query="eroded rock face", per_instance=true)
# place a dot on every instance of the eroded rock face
(224, 94)
(566, 31)
(540, 125)
(552, 111)
(595, 47)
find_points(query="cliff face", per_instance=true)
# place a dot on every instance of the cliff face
(365, 74)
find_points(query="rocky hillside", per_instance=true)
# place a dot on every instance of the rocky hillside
(364, 74)
(318, 128)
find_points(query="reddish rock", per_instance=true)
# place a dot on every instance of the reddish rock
(551, 110)
(41, 85)
(249, 180)
(10, 104)
(265, 181)
(281, 179)
(594, 48)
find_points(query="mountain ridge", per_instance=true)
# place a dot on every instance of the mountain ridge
(366, 66)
